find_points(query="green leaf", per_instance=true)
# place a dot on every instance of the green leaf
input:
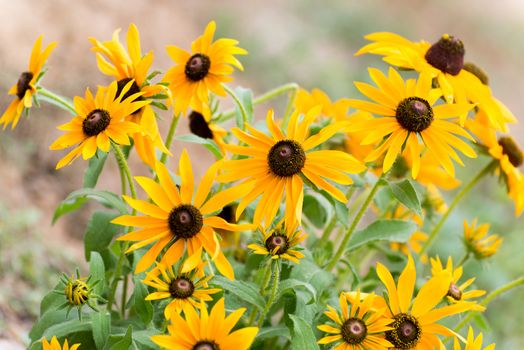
(342, 212)
(406, 194)
(72, 203)
(143, 338)
(246, 98)
(315, 208)
(97, 271)
(302, 336)
(68, 327)
(143, 307)
(94, 169)
(52, 300)
(207, 143)
(246, 291)
(383, 230)
(125, 342)
(101, 322)
(292, 284)
(275, 331)
(99, 233)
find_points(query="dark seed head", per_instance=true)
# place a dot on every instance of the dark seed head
(476, 71)
(206, 345)
(286, 158)
(181, 288)
(414, 114)
(454, 291)
(199, 126)
(279, 240)
(447, 54)
(197, 67)
(354, 331)
(95, 122)
(23, 84)
(406, 332)
(228, 214)
(185, 221)
(133, 90)
(512, 150)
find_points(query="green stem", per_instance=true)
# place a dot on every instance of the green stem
(354, 224)
(513, 284)
(263, 287)
(239, 105)
(457, 199)
(170, 136)
(274, 290)
(124, 296)
(463, 260)
(57, 100)
(332, 224)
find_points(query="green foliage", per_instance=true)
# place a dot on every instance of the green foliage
(383, 230)
(246, 291)
(100, 232)
(302, 335)
(207, 143)
(406, 194)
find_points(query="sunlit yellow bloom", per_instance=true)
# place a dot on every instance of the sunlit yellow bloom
(55, 345)
(306, 100)
(353, 141)
(25, 88)
(359, 326)
(179, 218)
(509, 156)
(414, 321)
(276, 164)
(456, 292)
(478, 241)
(184, 284)
(203, 70)
(410, 121)
(127, 65)
(99, 120)
(280, 241)
(472, 342)
(209, 331)
(444, 62)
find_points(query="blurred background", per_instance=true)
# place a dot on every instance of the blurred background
(304, 41)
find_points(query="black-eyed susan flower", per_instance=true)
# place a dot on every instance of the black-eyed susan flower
(472, 342)
(457, 292)
(182, 284)
(203, 70)
(126, 65)
(176, 219)
(409, 121)
(276, 163)
(79, 291)
(305, 100)
(25, 88)
(99, 120)
(55, 345)
(207, 331)
(359, 326)
(444, 62)
(414, 323)
(509, 157)
(280, 241)
(205, 128)
(478, 242)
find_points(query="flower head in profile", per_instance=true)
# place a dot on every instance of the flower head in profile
(207, 331)
(359, 326)
(457, 292)
(414, 323)
(306, 100)
(444, 62)
(26, 86)
(280, 242)
(479, 242)
(126, 65)
(472, 342)
(410, 121)
(179, 218)
(182, 284)
(99, 121)
(203, 70)
(276, 164)
(55, 345)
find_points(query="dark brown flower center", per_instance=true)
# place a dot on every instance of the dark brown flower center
(354, 331)
(406, 332)
(197, 67)
(206, 345)
(185, 221)
(199, 126)
(132, 90)
(95, 122)
(454, 292)
(23, 84)
(286, 158)
(181, 288)
(512, 150)
(414, 114)
(476, 71)
(279, 240)
(447, 54)
(228, 214)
